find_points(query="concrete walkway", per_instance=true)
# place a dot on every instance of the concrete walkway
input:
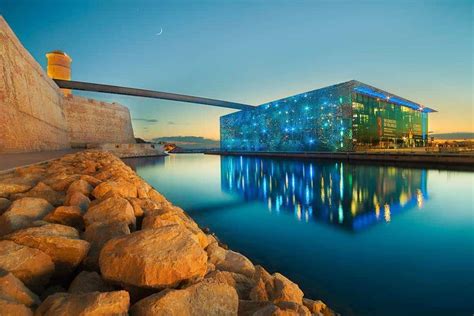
(10, 161)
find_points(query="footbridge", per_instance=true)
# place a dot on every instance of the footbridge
(96, 87)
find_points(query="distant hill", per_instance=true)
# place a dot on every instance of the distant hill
(189, 142)
(459, 135)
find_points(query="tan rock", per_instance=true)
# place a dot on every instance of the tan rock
(122, 187)
(248, 308)
(156, 196)
(283, 309)
(97, 234)
(111, 210)
(228, 260)
(203, 298)
(60, 242)
(174, 215)
(241, 283)
(32, 266)
(93, 181)
(11, 288)
(62, 181)
(317, 307)
(275, 288)
(137, 209)
(22, 212)
(11, 308)
(42, 191)
(95, 303)
(66, 215)
(153, 258)
(78, 199)
(4, 205)
(80, 186)
(14, 185)
(86, 282)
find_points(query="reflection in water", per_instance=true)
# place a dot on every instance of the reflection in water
(142, 162)
(349, 196)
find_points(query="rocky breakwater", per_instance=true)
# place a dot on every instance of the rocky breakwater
(84, 235)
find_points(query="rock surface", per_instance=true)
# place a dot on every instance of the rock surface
(203, 298)
(43, 191)
(60, 242)
(11, 308)
(95, 303)
(12, 289)
(22, 213)
(97, 234)
(228, 260)
(153, 258)
(32, 266)
(86, 282)
(66, 215)
(111, 210)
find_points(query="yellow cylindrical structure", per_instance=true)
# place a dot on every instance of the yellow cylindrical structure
(59, 67)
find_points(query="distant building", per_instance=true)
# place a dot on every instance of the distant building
(349, 116)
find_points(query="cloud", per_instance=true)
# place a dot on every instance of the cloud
(171, 123)
(146, 120)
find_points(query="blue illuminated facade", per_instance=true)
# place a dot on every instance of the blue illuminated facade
(343, 117)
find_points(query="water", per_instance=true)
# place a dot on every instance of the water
(368, 240)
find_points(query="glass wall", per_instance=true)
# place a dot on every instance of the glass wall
(377, 122)
(318, 120)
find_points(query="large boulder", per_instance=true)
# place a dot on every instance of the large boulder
(203, 298)
(12, 308)
(95, 303)
(228, 260)
(66, 215)
(121, 187)
(169, 215)
(275, 288)
(153, 258)
(32, 266)
(43, 191)
(318, 308)
(60, 242)
(11, 288)
(81, 186)
(22, 213)
(97, 234)
(77, 199)
(111, 210)
(86, 282)
(281, 309)
(241, 283)
(14, 185)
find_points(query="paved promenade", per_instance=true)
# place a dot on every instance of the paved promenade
(10, 161)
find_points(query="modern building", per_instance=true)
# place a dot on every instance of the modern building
(349, 116)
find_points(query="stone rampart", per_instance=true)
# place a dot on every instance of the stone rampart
(31, 114)
(93, 122)
(34, 114)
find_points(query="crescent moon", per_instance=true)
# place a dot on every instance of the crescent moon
(160, 32)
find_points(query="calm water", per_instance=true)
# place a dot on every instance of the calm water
(368, 240)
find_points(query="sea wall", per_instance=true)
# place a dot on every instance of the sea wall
(31, 114)
(93, 122)
(85, 233)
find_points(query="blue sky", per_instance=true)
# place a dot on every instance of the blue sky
(256, 51)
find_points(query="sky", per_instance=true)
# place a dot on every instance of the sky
(253, 52)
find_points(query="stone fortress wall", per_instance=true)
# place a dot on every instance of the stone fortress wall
(94, 122)
(35, 115)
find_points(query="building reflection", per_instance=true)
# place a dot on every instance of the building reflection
(349, 196)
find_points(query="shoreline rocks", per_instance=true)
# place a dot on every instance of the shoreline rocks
(85, 235)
